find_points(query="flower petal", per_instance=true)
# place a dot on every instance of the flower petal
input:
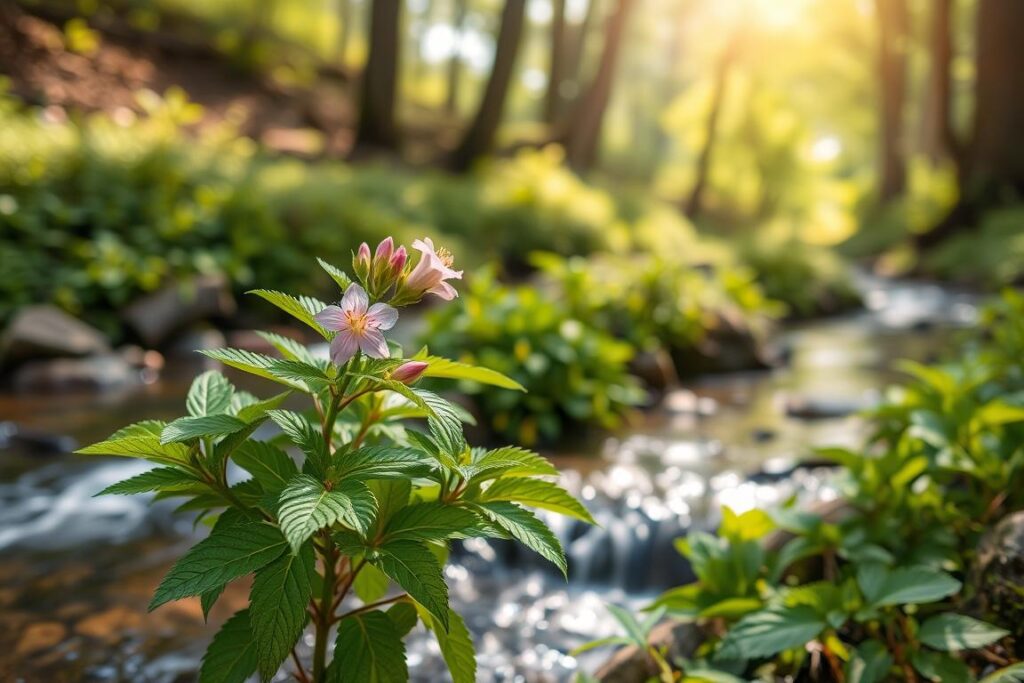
(373, 345)
(444, 290)
(381, 316)
(343, 347)
(355, 300)
(331, 318)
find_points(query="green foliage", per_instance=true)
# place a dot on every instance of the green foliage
(367, 511)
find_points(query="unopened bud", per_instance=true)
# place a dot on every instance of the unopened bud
(361, 262)
(398, 261)
(409, 372)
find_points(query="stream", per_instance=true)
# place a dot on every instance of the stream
(76, 572)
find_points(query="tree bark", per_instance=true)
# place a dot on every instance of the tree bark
(455, 63)
(479, 138)
(377, 127)
(694, 203)
(345, 30)
(556, 66)
(583, 132)
(577, 47)
(894, 20)
(938, 136)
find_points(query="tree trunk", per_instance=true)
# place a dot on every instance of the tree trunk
(993, 164)
(694, 203)
(345, 30)
(577, 47)
(894, 23)
(377, 127)
(556, 68)
(479, 138)
(455, 63)
(938, 137)
(583, 132)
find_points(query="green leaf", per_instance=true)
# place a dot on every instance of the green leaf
(251, 362)
(337, 274)
(449, 369)
(445, 424)
(280, 593)
(231, 657)
(209, 598)
(456, 646)
(312, 374)
(939, 666)
(404, 614)
(870, 663)
(291, 349)
(159, 479)
(210, 394)
(301, 308)
(537, 493)
(144, 428)
(522, 525)
(371, 584)
(958, 632)
(189, 428)
(382, 462)
(509, 461)
(305, 435)
(431, 522)
(633, 630)
(412, 566)
(306, 506)
(908, 585)
(231, 551)
(269, 465)
(258, 409)
(765, 633)
(368, 649)
(1010, 674)
(143, 447)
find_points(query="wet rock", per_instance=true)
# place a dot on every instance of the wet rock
(631, 664)
(47, 332)
(998, 576)
(812, 408)
(196, 339)
(655, 369)
(20, 440)
(763, 435)
(105, 371)
(155, 317)
(40, 636)
(729, 346)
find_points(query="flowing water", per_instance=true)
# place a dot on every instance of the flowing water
(76, 572)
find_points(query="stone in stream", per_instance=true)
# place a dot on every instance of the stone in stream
(631, 664)
(104, 371)
(45, 331)
(998, 576)
(155, 317)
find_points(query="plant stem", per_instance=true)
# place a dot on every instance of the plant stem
(300, 673)
(372, 606)
(323, 626)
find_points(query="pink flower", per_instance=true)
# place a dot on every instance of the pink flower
(430, 273)
(358, 325)
(409, 372)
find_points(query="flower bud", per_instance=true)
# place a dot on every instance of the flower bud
(361, 262)
(384, 250)
(398, 261)
(409, 372)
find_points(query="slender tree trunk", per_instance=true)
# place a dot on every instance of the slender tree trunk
(479, 138)
(345, 31)
(694, 203)
(455, 63)
(556, 68)
(994, 161)
(893, 24)
(377, 127)
(583, 133)
(577, 47)
(420, 64)
(938, 137)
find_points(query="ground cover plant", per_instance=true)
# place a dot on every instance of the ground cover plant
(353, 537)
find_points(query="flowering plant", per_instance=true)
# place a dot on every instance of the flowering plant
(353, 537)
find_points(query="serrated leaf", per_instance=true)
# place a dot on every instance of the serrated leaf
(371, 584)
(291, 349)
(445, 424)
(277, 604)
(907, 585)
(210, 394)
(339, 276)
(382, 462)
(302, 308)
(633, 630)
(430, 522)
(307, 506)
(765, 633)
(231, 657)
(312, 374)
(456, 646)
(939, 666)
(208, 599)
(1010, 674)
(251, 362)
(143, 428)
(231, 551)
(188, 428)
(958, 632)
(869, 664)
(404, 615)
(143, 447)
(510, 461)
(159, 479)
(412, 566)
(269, 465)
(524, 526)
(537, 493)
(305, 435)
(449, 369)
(372, 649)
(258, 409)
